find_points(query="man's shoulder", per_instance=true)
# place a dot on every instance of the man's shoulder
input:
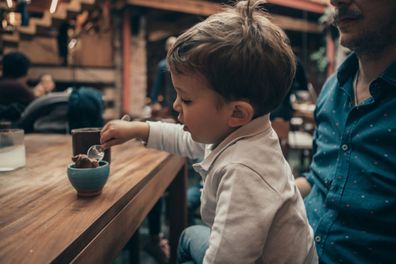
(328, 88)
(331, 82)
(7, 84)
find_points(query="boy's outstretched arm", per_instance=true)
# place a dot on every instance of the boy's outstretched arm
(118, 131)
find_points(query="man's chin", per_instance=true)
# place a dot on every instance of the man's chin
(349, 42)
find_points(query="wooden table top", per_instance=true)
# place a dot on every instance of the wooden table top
(42, 219)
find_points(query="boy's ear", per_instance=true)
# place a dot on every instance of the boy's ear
(242, 113)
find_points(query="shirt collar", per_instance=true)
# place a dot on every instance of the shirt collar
(349, 67)
(254, 127)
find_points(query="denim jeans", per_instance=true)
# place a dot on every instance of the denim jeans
(193, 243)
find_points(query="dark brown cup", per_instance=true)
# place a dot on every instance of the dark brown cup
(84, 138)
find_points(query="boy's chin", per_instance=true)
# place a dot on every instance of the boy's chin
(195, 138)
(192, 135)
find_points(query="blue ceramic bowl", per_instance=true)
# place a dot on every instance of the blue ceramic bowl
(89, 181)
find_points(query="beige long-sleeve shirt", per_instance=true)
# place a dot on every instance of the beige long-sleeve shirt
(249, 198)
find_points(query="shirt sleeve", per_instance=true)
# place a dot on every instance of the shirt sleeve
(172, 138)
(246, 207)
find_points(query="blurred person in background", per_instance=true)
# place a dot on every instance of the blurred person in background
(163, 86)
(15, 94)
(45, 85)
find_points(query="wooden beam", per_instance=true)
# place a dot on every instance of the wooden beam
(315, 6)
(105, 76)
(209, 8)
(294, 24)
(184, 6)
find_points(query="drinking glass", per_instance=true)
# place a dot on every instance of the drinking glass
(12, 149)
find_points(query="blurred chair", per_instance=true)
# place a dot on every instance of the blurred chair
(60, 112)
(301, 141)
(46, 114)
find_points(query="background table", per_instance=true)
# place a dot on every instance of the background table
(42, 220)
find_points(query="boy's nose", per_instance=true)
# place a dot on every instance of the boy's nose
(176, 104)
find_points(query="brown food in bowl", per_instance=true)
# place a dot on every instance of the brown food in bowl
(82, 161)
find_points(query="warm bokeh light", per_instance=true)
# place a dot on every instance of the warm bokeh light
(53, 6)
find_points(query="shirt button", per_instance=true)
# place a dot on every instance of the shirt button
(317, 239)
(344, 147)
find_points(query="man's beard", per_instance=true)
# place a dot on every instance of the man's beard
(371, 42)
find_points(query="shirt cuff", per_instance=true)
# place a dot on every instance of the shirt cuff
(154, 137)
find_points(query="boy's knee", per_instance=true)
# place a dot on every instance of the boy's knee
(186, 237)
(191, 233)
(193, 243)
(187, 234)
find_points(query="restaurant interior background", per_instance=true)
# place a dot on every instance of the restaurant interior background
(115, 45)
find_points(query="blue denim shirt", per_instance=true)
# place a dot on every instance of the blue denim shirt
(352, 205)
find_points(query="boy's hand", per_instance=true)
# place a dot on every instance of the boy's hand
(117, 132)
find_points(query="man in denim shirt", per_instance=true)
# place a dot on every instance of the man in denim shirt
(352, 182)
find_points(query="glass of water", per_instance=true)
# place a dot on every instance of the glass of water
(12, 149)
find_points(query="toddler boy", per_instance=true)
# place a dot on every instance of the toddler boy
(230, 71)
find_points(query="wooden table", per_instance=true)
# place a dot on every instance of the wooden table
(43, 221)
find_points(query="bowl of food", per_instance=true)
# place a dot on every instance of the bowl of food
(88, 176)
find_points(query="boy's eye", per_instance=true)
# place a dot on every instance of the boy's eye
(185, 101)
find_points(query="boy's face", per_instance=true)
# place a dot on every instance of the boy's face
(200, 109)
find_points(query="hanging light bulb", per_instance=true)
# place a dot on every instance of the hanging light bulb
(54, 3)
(9, 3)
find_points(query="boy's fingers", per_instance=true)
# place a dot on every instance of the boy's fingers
(111, 143)
(105, 136)
(104, 128)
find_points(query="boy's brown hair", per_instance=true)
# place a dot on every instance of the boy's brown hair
(241, 53)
